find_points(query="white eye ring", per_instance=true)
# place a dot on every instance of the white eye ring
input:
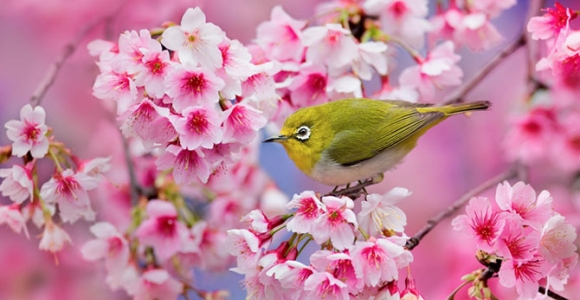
(303, 133)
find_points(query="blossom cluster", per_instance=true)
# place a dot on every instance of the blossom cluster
(530, 241)
(66, 192)
(359, 255)
(192, 94)
(548, 131)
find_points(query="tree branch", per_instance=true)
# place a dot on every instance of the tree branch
(54, 69)
(414, 241)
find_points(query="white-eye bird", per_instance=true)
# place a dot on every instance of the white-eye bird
(348, 140)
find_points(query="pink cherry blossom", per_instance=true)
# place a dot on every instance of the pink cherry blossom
(309, 208)
(95, 167)
(480, 221)
(244, 245)
(149, 122)
(521, 200)
(379, 213)
(152, 71)
(517, 242)
(199, 127)
(54, 238)
(210, 241)
(110, 245)
(189, 86)
(378, 260)
(322, 285)
(69, 190)
(236, 59)
(527, 139)
(410, 292)
(241, 124)
(437, 70)
(475, 30)
(12, 216)
(132, 47)
(560, 273)
(308, 87)
(404, 19)
(330, 44)
(118, 86)
(557, 239)
(17, 183)
(195, 41)
(157, 284)
(281, 37)
(523, 275)
(372, 55)
(337, 223)
(188, 165)
(551, 23)
(340, 265)
(260, 88)
(162, 230)
(28, 134)
(294, 278)
(345, 86)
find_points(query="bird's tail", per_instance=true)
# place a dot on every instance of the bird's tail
(459, 108)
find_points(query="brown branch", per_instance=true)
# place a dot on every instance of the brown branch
(551, 294)
(54, 69)
(414, 241)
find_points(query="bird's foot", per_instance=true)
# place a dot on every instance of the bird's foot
(358, 189)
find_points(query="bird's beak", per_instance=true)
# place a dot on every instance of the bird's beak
(277, 139)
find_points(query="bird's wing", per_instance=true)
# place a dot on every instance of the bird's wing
(388, 129)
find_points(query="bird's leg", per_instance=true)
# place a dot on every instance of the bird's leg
(355, 191)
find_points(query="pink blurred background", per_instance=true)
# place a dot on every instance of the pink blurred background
(451, 159)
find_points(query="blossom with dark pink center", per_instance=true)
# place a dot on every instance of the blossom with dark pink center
(132, 47)
(281, 36)
(116, 85)
(152, 71)
(28, 134)
(337, 222)
(552, 22)
(245, 246)
(481, 222)
(517, 242)
(69, 190)
(340, 265)
(322, 285)
(378, 260)
(162, 230)
(309, 208)
(188, 165)
(110, 245)
(308, 87)
(17, 183)
(149, 122)
(195, 41)
(523, 275)
(190, 86)
(241, 124)
(199, 127)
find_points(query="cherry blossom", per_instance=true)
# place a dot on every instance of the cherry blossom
(188, 165)
(557, 239)
(199, 127)
(118, 86)
(321, 285)
(151, 73)
(187, 86)
(149, 122)
(17, 183)
(481, 222)
(379, 213)
(337, 222)
(54, 238)
(28, 134)
(12, 216)
(523, 275)
(308, 87)
(330, 44)
(309, 208)
(195, 41)
(378, 260)
(69, 190)
(157, 284)
(162, 230)
(551, 23)
(281, 37)
(521, 200)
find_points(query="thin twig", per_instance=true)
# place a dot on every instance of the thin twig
(134, 185)
(460, 94)
(551, 294)
(54, 69)
(414, 241)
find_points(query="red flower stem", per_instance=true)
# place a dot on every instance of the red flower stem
(449, 211)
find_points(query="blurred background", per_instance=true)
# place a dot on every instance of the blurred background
(451, 159)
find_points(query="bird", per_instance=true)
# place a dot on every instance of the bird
(349, 140)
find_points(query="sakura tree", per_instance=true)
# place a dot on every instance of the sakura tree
(155, 184)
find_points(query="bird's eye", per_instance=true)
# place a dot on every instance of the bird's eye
(303, 133)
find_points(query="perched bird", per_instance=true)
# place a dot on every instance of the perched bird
(348, 140)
